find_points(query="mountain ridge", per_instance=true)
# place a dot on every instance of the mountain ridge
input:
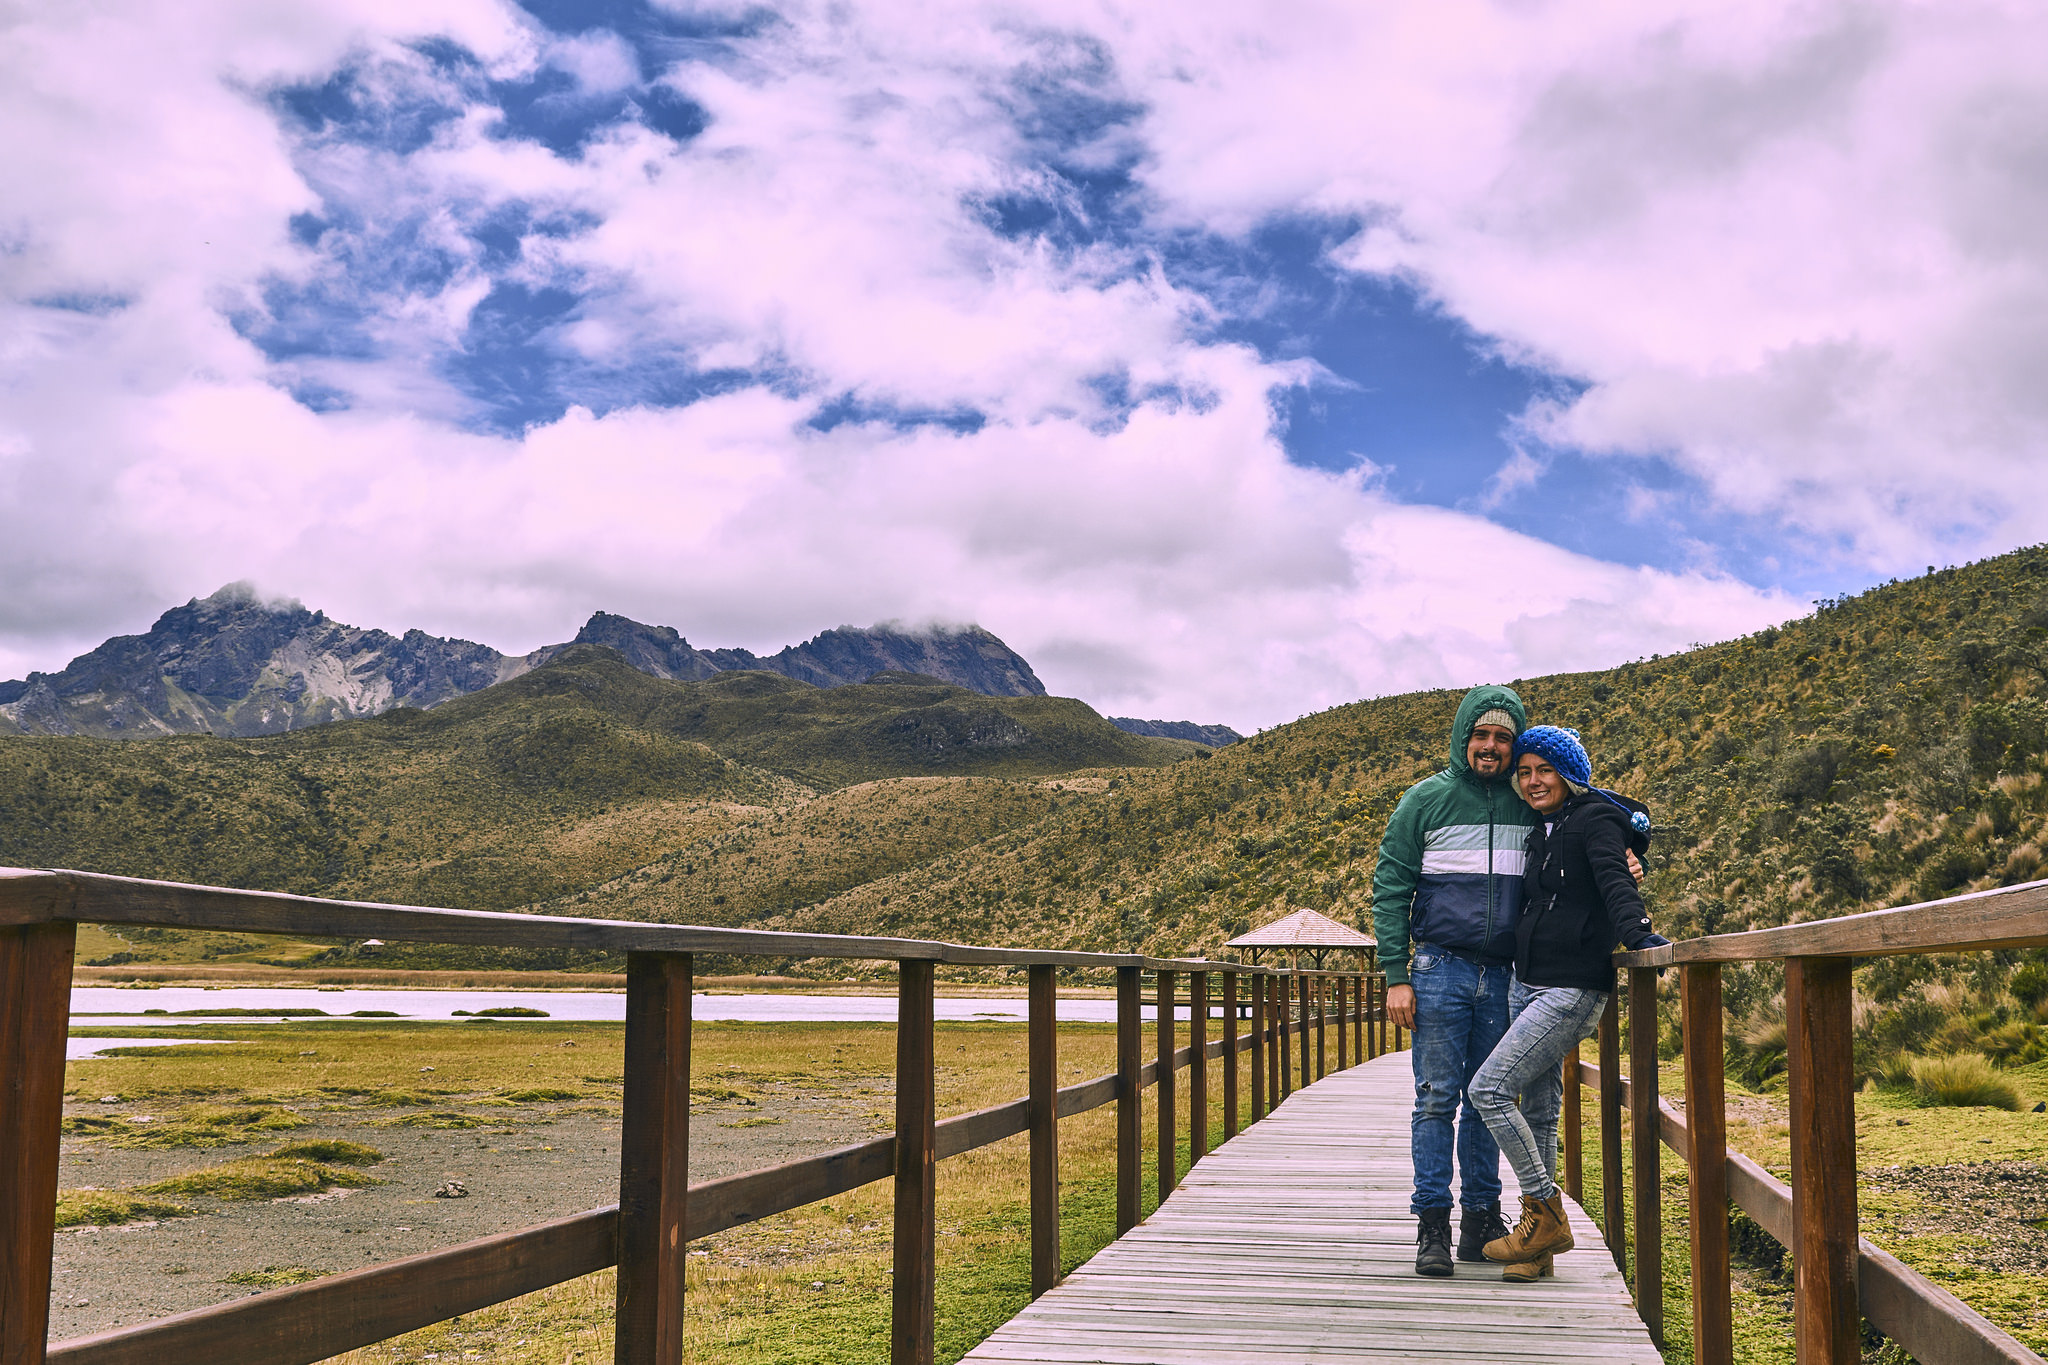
(239, 665)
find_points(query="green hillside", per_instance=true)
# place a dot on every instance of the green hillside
(553, 782)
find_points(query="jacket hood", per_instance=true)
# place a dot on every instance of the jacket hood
(1477, 703)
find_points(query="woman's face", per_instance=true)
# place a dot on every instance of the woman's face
(1541, 786)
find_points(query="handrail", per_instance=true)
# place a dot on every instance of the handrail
(2009, 917)
(1839, 1277)
(658, 1212)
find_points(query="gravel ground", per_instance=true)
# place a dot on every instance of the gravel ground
(526, 1166)
(2003, 1203)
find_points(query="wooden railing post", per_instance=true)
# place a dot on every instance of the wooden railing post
(1198, 1066)
(1322, 989)
(1275, 1072)
(1043, 1064)
(1169, 1156)
(654, 1156)
(1706, 1118)
(1613, 1225)
(1342, 987)
(1229, 1055)
(1647, 1152)
(1305, 989)
(1260, 1014)
(35, 994)
(1130, 1095)
(1286, 1026)
(1358, 1002)
(1820, 1068)
(1573, 1113)
(912, 1300)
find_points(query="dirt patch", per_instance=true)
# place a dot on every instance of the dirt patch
(1997, 1210)
(523, 1165)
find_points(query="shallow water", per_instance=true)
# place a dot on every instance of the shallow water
(124, 1005)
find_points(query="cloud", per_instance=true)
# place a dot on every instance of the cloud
(428, 316)
(1795, 251)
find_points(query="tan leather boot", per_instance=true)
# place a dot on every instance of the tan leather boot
(1528, 1272)
(1542, 1232)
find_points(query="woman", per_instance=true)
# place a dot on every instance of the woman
(1579, 902)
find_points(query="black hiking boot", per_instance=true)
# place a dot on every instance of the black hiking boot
(1433, 1243)
(1477, 1227)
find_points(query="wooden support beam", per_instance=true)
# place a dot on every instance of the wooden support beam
(1230, 1051)
(1713, 1322)
(1130, 1096)
(912, 1300)
(1646, 1151)
(1342, 989)
(654, 1155)
(1286, 1022)
(35, 993)
(1573, 1114)
(1613, 1225)
(1168, 1160)
(1260, 1017)
(1306, 990)
(1322, 998)
(1198, 1066)
(1043, 1064)
(1820, 1070)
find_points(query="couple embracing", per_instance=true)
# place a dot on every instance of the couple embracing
(1504, 883)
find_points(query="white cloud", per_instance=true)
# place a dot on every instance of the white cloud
(1160, 557)
(1799, 250)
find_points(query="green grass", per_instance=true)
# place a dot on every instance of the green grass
(332, 1151)
(272, 1276)
(1963, 1080)
(105, 1208)
(259, 1177)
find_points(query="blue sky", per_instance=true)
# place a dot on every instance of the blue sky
(1226, 370)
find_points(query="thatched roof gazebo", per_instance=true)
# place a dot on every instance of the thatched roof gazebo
(1306, 931)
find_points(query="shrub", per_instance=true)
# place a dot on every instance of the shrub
(2029, 984)
(1757, 1052)
(1964, 1079)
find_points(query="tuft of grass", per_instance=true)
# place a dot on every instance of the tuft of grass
(540, 1095)
(332, 1150)
(105, 1208)
(1964, 1079)
(438, 1119)
(260, 1177)
(392, 1099)
(273, 1276)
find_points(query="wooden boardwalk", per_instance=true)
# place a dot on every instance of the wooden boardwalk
(1293, 1242)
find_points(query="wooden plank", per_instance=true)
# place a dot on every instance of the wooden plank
(2009, 917)
(1613, 1226)
(654, 1147)
(1230, 1049)
(1276, 1060)
(912, 1298)
(1713, 1313)
(1167, 1155)
(35, 990)
(310, 1322)
(1820, 1067)
(1341, 987)
(1130, 1098)
(1322, 998)
(1315, 1197)
(1043, 1065)
(1257, 986)
(1646, 1151)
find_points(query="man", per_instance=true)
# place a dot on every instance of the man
(1446, 895)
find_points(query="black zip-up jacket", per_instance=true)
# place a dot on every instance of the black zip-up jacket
(1579, 900)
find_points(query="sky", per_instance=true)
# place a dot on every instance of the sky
(1228, 361)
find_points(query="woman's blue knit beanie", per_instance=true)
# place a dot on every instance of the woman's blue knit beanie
(1560, 748)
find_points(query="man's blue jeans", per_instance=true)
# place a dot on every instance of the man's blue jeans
(1461, 1011)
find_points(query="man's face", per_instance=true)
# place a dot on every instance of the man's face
(1488, 751)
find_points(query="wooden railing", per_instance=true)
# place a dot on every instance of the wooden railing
(1291, 1017)
(1837, 1275)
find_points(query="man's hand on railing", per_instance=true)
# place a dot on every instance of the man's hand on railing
(1401, 1006)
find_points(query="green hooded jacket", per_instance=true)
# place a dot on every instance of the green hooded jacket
(1450, 865)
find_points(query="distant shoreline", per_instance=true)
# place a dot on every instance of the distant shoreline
(182, 974)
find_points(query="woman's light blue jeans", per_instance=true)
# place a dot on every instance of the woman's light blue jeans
(1546, 1024)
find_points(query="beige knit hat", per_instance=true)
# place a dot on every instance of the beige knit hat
(1500, 718)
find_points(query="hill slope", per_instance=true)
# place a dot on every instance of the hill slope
(559, 779)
